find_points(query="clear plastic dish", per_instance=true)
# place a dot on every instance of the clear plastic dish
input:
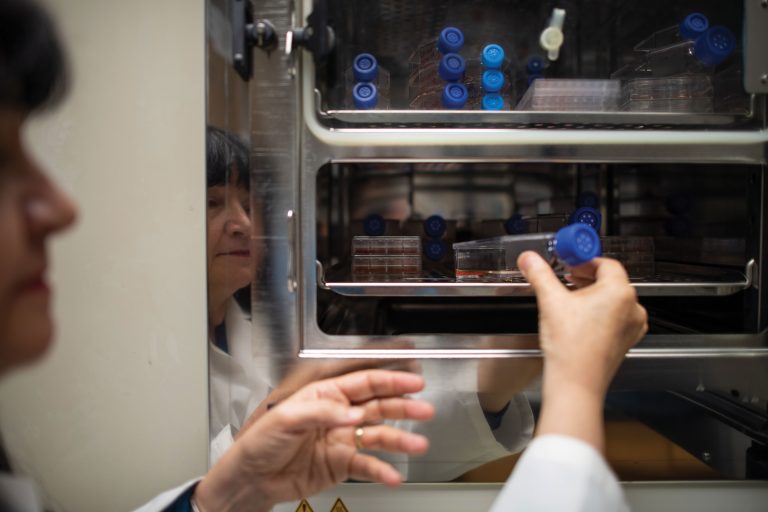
(548, 94)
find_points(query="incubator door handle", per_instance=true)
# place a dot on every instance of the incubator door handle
(292, 252)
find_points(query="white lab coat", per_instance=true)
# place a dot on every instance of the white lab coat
(564, 474)
(459, 435)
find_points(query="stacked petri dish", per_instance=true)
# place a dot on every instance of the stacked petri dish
(636, 253)
(578, 95)
(386, 256)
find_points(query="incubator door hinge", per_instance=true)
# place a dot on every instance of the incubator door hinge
(317, 36)
(247, 33)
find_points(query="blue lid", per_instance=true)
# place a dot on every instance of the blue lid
(493, 56)
(532, 77)
(435, 250)
(365, 68)
(714, 46)
(455, 95)
(587, 198)
(693, 25)
(374, 225)
(492, 102)
(435, 226)
(450, 40)
(365, 96)
(492, 80)
(577, 244)
(516, 225)
(451, 67)
(535, 65)
(588, 216)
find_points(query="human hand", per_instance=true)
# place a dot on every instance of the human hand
(307, 442)
(585, 334)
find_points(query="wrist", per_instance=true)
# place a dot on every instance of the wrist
(226, 488)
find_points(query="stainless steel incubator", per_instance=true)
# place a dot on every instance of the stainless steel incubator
(378, 138)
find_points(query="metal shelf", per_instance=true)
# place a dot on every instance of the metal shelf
(529, 119)
(671, 280)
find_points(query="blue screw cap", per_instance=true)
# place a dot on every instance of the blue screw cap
(365, 96)
(693, 25)
(492, 80)
(535, 65)
(450, 40)
(374, 225)
(492, 56)
(455, 96)
(435, 226)
(587, 198)
(586, 215)
(492, 102)
(435, 250)
(452, 67)
(365, 68)
(714, 46)
(516, 225)
(577, 244)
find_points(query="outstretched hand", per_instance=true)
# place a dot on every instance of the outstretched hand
(584, 335)
(307, 442)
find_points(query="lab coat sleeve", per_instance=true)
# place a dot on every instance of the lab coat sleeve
(564, 474)
(160, 502)
(221, 443)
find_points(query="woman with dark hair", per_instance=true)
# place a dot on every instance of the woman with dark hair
(308, 442)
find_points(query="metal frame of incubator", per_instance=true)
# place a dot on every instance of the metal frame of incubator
(292, 137)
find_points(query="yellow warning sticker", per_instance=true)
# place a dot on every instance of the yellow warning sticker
(304, 506)
(339, 506)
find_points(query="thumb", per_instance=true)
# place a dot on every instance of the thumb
(545, 283)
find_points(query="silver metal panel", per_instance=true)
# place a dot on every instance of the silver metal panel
(756, 46)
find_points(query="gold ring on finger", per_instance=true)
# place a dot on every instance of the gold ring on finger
(359, 432)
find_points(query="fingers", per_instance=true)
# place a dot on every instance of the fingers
(389, 439)
(369, 468)
(363, 386)
(378, 410)
(545, 283)
(292, 415)
(609, 272)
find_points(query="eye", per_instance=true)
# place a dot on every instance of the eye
(214, 203)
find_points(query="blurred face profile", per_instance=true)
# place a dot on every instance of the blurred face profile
(230, 258)
(31, 209)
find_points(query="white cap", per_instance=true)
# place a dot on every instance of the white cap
(551, 38)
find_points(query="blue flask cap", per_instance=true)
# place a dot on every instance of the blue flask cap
(577, 244)
(452, 67)
(450, 40)
(374, 225)
(492, 102)
(693, 25)
(492, 56)
(587, 198)
(455, 96)
(516, 225)
(492, 80)
(435, 226)
(586, 215)
(365, 96)
(435, 250)
(365, 68)
(535, 65)
(714, 46)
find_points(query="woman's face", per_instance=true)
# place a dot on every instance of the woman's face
(31, 209)
(230, 252)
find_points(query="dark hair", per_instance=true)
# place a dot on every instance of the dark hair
(32, 64)
(223, 151)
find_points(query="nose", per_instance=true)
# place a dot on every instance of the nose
(238, 221)
(48, 208)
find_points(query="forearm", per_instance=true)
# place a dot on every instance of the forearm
(573, 410)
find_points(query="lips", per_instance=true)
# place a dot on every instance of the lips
(35, 284)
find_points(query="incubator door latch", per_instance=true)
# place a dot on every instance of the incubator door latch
(317, 36)
(247, 33)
